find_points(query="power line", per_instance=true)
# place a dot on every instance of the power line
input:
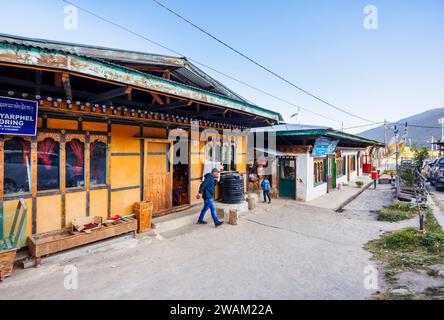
(259, 64)
(195, 61)
(364, 125)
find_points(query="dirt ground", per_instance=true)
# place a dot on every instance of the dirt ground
(286, 250)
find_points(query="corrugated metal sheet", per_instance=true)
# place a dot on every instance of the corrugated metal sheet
(182, 66)
(49, 58)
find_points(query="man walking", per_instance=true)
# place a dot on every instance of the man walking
(266, 189)
(206, 191)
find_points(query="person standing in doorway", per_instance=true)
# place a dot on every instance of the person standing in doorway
(266, 189)
(206, 191)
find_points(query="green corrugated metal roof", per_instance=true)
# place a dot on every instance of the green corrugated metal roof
(41, 57)
(329, 133)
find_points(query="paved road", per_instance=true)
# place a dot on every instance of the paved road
(284, 250)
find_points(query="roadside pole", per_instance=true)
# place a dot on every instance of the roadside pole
(385, 143)
(397, 158)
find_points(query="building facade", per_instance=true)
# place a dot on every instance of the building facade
(111, 126)
(295, 166)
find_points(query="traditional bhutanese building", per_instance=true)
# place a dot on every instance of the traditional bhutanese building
(105, 123)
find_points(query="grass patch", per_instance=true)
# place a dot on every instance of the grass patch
(397, 212)
(393, 296)
(408, 249)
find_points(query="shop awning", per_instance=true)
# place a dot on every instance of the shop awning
(276, 153)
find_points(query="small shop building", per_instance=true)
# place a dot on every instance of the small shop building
(104, 123)
(304, 162)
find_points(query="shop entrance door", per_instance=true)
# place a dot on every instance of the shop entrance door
(158, 177)
(287, 178)
(333, 173)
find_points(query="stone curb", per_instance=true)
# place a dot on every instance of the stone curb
(340, 208)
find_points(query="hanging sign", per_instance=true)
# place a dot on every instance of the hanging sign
(18, 116)
(324, 146)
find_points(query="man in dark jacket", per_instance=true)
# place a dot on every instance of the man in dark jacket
(206, 191)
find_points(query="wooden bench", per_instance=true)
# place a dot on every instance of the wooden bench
(57, 241)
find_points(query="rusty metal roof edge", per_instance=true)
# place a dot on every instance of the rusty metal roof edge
(127, 56)
(229, 103)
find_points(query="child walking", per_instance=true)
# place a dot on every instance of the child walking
(266, 189)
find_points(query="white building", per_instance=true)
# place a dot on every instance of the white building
(305, 162)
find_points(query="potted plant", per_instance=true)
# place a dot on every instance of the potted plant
(359, 183)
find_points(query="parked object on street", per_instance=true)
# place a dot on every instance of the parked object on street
(234, 217)
(437, 174)
(359, 183)
(61, 240)
(251, 202)
(232, 188)
(86, 224)
(9, 244)
(7, 263)
(144, 214)
(427, 169)
(221, 213)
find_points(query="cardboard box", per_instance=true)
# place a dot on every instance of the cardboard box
(78, 224)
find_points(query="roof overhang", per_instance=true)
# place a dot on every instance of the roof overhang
(35, 57)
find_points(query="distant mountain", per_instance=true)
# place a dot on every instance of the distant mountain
(420, 135)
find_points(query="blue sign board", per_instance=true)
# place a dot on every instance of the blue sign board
(324, 146)
(18, 117)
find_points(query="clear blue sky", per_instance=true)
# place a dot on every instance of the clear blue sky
(321, 45)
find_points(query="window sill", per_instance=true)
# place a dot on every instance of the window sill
(16, 196)
(48, 193)
(76, 189)
(99, 187)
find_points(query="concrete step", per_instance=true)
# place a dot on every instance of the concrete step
(178, 220)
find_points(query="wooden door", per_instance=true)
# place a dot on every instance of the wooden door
(287, 178)
(158, 177)
(333, 173)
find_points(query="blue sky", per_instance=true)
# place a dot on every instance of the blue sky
(321, 45)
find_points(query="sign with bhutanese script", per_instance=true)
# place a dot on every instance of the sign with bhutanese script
(18, 117)
(324, 146)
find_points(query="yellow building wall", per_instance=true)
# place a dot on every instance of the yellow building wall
(49, 213)
(122, 139)
(122, 202)
(154, 132)
(62, 124)
(125, 171)
(75, 207)
(95, 126)
(98, 203)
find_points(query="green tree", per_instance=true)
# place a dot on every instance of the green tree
(419, 156)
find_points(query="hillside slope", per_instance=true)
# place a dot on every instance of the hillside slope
(420, 135)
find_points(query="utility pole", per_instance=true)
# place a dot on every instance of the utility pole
(385, 143)
(397, 158)
(432, 144)
(441, 121)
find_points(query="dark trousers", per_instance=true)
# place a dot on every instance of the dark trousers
(267, 195)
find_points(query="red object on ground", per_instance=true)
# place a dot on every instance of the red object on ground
(115, 218)
(374, 175)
